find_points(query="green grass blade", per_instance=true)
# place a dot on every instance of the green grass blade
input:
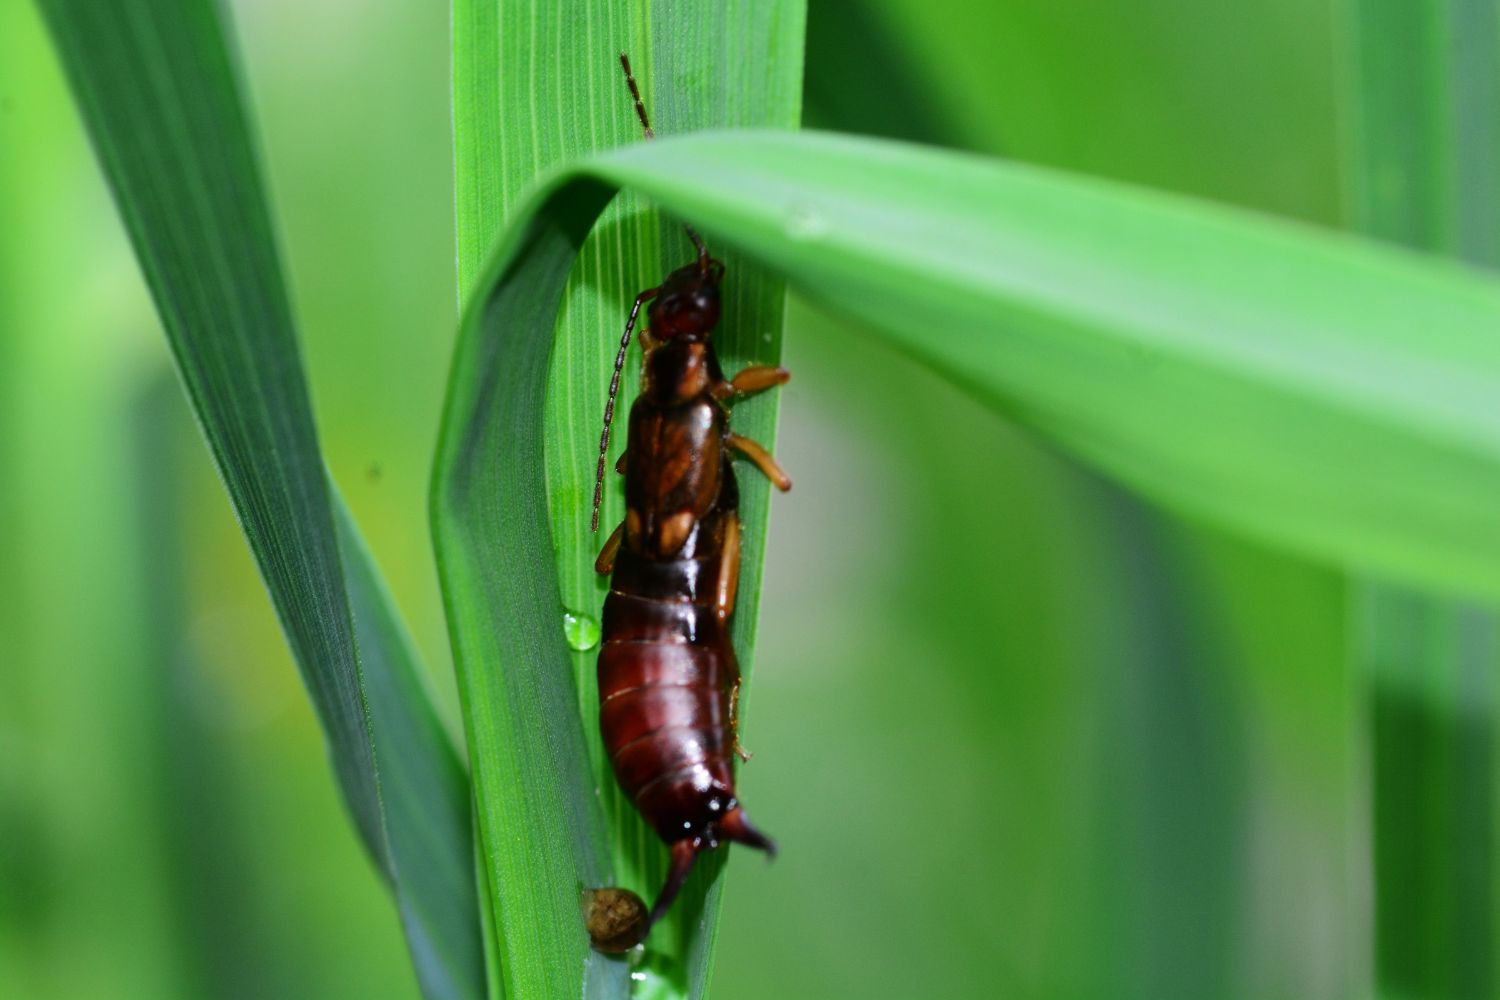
(158, 92)
(535, 87)
(1424, 153)
(1423, 164)
(1311, 390)
(423, 786)
(541, 831)
(1429, 670)
(231, 332)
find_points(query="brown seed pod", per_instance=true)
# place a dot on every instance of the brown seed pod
(616, 919)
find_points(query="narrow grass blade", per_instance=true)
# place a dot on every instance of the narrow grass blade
(423, 787)
(540, 826)
(157, 90)
(1423, 164)
(1423, 86)
(1428, 669)
(1312, 390)
(535, 87)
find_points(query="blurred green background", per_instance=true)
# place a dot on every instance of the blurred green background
(1018, 734)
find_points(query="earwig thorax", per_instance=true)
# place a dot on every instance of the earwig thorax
(679, 370)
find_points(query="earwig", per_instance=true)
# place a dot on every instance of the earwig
(668, 677)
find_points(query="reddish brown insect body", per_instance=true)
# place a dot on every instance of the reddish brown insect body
(668, 678)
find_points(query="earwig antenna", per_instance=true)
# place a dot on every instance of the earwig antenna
(635, 92)
(640, 112)
(614, 389)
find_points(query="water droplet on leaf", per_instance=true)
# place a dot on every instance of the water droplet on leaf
(581, 631)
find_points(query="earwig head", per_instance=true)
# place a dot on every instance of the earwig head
(687, 307)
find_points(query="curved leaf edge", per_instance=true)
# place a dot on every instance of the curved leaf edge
(768, 234)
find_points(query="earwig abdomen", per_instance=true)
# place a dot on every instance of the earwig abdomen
(666, 675)
(664, 715)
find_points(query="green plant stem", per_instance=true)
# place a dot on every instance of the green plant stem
(1423, 94)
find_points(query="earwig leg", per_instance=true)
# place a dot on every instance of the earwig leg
(734, 826)
(734, 723)
(758, 377)
(605, 564)
(763, 461)
(752, 379)
(729, 569)
(684, 853)
(620, 464)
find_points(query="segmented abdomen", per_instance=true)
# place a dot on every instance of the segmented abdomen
(666, 670)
